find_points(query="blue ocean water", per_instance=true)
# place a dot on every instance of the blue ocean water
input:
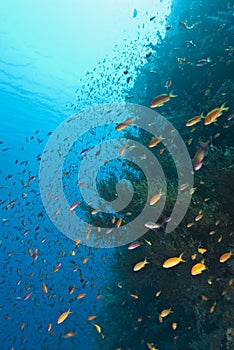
(56, 60)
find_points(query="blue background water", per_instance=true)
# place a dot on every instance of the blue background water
(47, 49)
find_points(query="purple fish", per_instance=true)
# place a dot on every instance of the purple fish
(152, 226)
(199, 157)
(166, 220)
(134, 245)
(202, 62)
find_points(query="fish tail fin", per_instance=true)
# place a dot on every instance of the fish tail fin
(223, 108)
(181, 255)
(171, 94)
(209, 60)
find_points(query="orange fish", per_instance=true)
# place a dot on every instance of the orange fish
(134, 296)
(151, 346)
(124, 124)
(32, 178)
(80, 296)
(71, 289)
(72, 252)
(44, 288)
(198, 268)
(155, 198)
(194, 120)
(34, 256)
(98, 328)
(73, 206)
(213, 307)
(212, 116)
(28, 295)
(119, 222)
(77, 241)
(165, 312)
(198, 217)
(90, 318)
(161, 99)
(183, 187)
(201, 250)
(155, 141)
(224, 257)
(140, 265)
(173, 261)
(63, 316)
(69, 334)
(123, 149)
(85, 150)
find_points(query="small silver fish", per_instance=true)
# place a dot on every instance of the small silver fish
(230, 117)
(152, 225)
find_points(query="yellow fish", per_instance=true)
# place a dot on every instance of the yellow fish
(127, 122)
(155, 141)
(140, 265)
(173, 261)
(98, 328)
(199, 217)
(44, 288)
(201, 250)
(224, 257)
(212, 116)
(155, 198)
(71, 289)
(151, 346)
(165, 312)
(212, 308)
(194, 120)
(161, 99)
(63, 316)
(77, 241)
(90, 318)
(80, 296)
(69, 334)
(198, 268)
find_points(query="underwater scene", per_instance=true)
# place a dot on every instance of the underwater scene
(117, 175)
